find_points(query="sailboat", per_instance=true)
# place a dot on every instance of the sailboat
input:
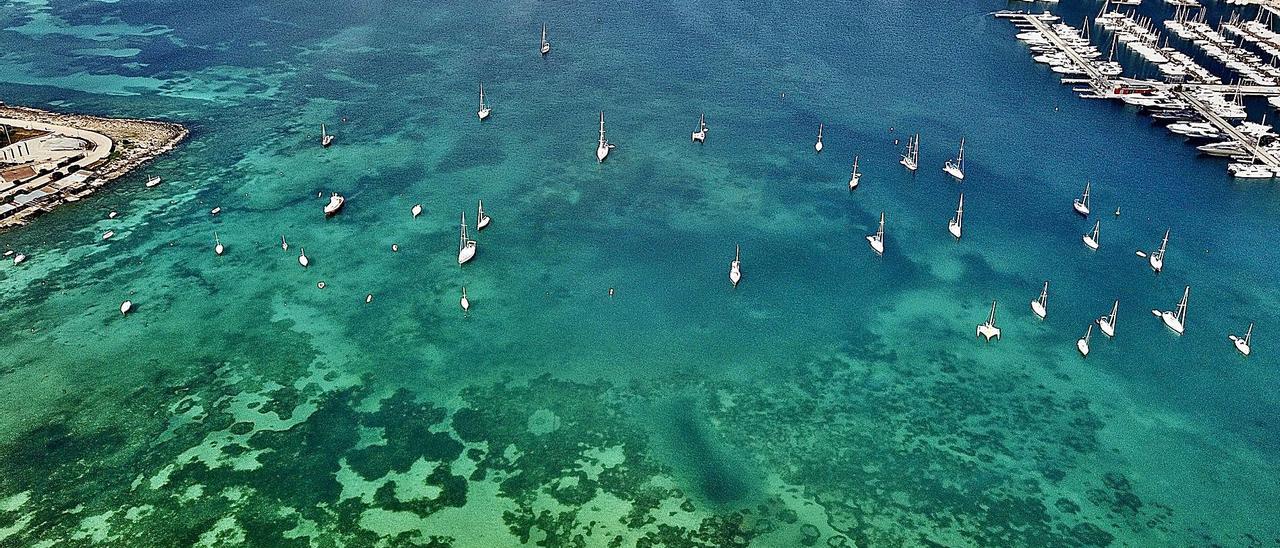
(464, 301)
(546, 46)
(1175, 319)
(1081, 204)
(335, 203)
(1082, 344)
(877, 240)
(417, 210)
(602, 149)
(1040, 306)
(854, 176)
(217, 244)
(283, 244)
(1156, 258)
(325, 138)
(1091, 239)
(911, 158)
(153, 181)
(17, 259)
(484, 110)
(126, 306)
(302, 258)
(1108, 323)
(735, 267)
(700, 135)
(957, 223)
(466, 248)
(817, 147)
(956, 169)
(482, 220)
(1242, 343)
(989, 329)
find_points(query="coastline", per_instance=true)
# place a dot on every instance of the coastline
(118, 146)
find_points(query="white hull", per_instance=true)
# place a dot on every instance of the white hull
(817, 147)
(484, 221)
(876, 243)
(698, 136)
(1170, 320)
(303, 260)
(1080, 208)
(484, 113)
(1038, 309)
(464, 303)
(1089, 242)
(125, 307)
(1108, 328)
(954, 228)
(908, 163)
(108, 234)
(735, 273)
(1241, 346)
(467, 253)
(989, 331)
(1157, 263)
(853, 181)
(153, 182)
(953, 171)
(17, 259)
(1083, 346)
(417, 210)
(546, 48)
(601, 152)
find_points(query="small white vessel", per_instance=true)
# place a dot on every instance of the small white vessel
(1108, 323)
(1156, 258)
(1081, 204)
(1117, 212)
(112, 215)
(302, 258)
(482, 220)
(368, 298)
(602, 149)
(877, 240)
(1175, 319)
(217, 244)
(817, 147)
(484, 110)
(466, 248)
(108, 234)
(700, 135)
(417, 210)
(125, 307)
(1242, 343)
(545, 48)
(911, 158)
(464, 302)
(215, 210)
(956, 169)
(989, 329)
(17, 259)
(854, 175)
(283, 244)
(1082, 344)
(335, 204)
(735, 267)
(325, 138)
(1091, 239)
(152, 181)
(957, 223)
(1040, 306)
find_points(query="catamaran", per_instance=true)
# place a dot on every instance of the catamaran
(956, 169)
(1175, 319)
(989, 329)
(1081, 204)
(482, 220)
(1082, 344)
(1108, 323)
(854, 176)
(817, 147)
(484, 109)
(957, 222)
(877, 240)
(1091, 239)
(1040, 306)
(335, 203)
(1242, 343)
(700, 135)
(217, 245)
(911, 158)
(735, 267)
(466, 248)
(546, 46)
(602, 149)
(325, 138)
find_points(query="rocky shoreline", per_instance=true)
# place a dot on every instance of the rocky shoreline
(133, 142)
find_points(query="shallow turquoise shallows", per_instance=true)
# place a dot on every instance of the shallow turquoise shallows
(609, 386)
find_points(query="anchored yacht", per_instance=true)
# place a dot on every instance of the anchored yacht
(877, 240)
(989, 329)
(217, 245)
(325, 138)
(854, 176)
(1242, 343)
(735, 267)
(464, 302)
(1091, 239)
(911, 158)
(126, 306)
(1156, 258)
(1040, 306)
(700, 135)
(1108, 323)
(302, 258)
(1175, 319)
(955, 225)
(466, 247)
(956, 169)
(1081, 204)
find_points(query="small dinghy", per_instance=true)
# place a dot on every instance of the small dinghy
(817, 147)
(17, 259)
(1091, 239)
(854, 176)
(876, 241)
(1108, 323)
(108, 234)
(152, 182)
(283, 244)
(957, 223)
(466, 246)
(482, 220)
(112, 215)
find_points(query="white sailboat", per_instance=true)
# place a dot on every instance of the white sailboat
(125, 307)
(18, 259)
(302, 258)
(1082, 344)
(602, 149)
(956, 223)
(911, 158)
(217, 245)
(1156, 258)
(417, 210)
(325, 138)
(283, 244)
(1242, 343)
(956, 169)
(817, 147)
(989, 329)
(464, 301)
(153, 181)
(854, 175)
(877, 240)
(484, 110)
(545, 48)
(735, 267)
(1175, 319)
(1081, 204)
(335, 203)
(700, 136)
(1091, 239)
(466, 248)
(482, 220)
(1040, 306)
(1108, 323)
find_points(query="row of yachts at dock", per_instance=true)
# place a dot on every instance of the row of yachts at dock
(1215, 44)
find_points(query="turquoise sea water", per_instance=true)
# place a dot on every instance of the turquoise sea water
(834, 398)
